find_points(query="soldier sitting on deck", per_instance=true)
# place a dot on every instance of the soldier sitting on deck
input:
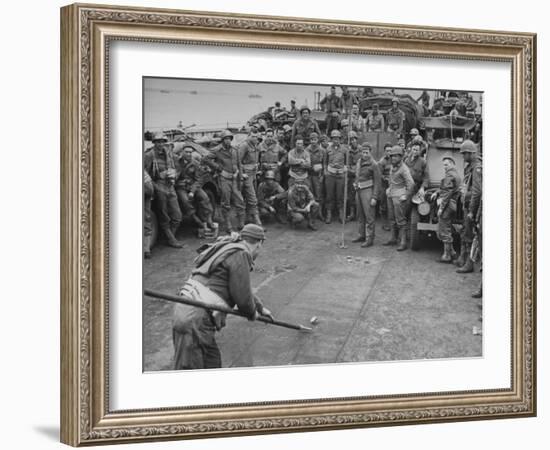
(301, 205)
(271, 197)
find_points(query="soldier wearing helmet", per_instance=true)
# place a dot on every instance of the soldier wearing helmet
(367, 184)
(375, 120)
(189, 189)
(224, 159)
(353, 157)
(395, 118)
(304, 126)
(334, 168)
(271, 198)
(249, 155)
(317, 156)
(301, 205)
(333, 106)
(399, 192)
(160, 164)
(471, 200)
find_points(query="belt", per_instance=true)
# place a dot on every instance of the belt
(227, 175)
(365, 184)
(297, 176)
(249, 167)
(334, 170)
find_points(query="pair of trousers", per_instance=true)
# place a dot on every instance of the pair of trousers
(168, 208)
(365, 212)
(397, 210)
(231, 195)
(334, 186)
(249, 194)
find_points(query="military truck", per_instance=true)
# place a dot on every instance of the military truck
(444, 135)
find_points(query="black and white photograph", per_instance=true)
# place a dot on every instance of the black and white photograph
(291, 224)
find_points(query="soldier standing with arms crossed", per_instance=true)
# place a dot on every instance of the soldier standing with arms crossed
(334, 168)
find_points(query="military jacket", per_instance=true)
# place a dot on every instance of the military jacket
(472, 182)
(299, 163)
(332, 103)
(395, 119)
(335, 157)
(303, 128)
(375, 122)
(298, 197)
(419, 171)
(189, 176)
(400, 182)
(450, 187)
(368, 170)
(384, 164)
(316, 155)
(249, 156)
(224, 160)
(354, 157)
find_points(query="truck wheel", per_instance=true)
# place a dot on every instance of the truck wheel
(414, 234)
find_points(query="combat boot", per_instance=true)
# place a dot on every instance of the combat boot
(352, 214)
(462, 257)
(209, 221)
(171, 239)
(328, 219)
(147, 247)
(311, 224)
(393, 237)
(446, 257)
(402, 239)
(468, 265)
(358, 239)
(368, 242)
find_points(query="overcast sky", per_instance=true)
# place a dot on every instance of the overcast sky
(215, 104)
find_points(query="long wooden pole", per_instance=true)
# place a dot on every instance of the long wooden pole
(227, 310)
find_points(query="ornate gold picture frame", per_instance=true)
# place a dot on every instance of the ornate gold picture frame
(87, 31)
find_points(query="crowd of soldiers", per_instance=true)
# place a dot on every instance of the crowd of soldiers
(296, 174)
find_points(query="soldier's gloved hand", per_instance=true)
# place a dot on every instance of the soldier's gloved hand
(373, 202)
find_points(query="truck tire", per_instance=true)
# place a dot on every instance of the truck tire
(414, 234)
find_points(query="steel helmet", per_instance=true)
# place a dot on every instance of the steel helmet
(269, 175)
(287, 128)
(159, 137)
(226, 133)
(335, 133)
(313, 135)
(345, 122)
(414, 132)
(352, 134)
(395, 99)
(468, 147)
(396, 150)
(303, 108)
